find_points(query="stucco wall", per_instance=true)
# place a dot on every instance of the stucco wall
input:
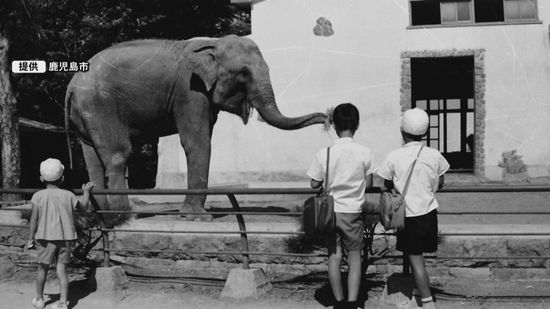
(361, 62)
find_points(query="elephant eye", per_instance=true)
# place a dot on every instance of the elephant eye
(243, 75)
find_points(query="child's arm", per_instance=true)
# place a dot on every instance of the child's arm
(369, 182)
(315, 184)
(32, 226)
(441, 182)
(84, 199)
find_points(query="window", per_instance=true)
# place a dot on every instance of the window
(444, 88)
(437, 12)
(489, 10)
(520, 9)
(456, 11)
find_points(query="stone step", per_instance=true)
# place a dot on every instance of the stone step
(452, 247)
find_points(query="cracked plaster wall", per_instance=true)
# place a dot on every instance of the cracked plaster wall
(362, 63)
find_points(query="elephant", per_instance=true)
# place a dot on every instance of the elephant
(156, 88)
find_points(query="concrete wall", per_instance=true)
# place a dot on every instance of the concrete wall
(362, 63)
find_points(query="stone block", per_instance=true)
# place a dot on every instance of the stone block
(399, 292)
(244, 283)
(108, 279)
(482, 273)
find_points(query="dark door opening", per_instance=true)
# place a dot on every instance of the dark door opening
(444, 88)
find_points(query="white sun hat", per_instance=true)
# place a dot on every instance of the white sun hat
(51, 169)
(415, 121)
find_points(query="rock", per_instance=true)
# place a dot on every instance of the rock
(244, 283)
(109, 279)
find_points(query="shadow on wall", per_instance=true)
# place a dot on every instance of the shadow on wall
(513, 167)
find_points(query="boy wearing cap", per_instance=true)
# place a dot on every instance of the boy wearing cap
(350, 174)
(52, 228)
(420, 232)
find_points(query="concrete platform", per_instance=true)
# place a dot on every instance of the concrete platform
(469, 244)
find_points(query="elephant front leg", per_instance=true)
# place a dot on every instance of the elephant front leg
(198, 161)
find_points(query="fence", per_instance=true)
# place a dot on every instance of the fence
(239, 214)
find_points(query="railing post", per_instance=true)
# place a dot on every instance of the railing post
(242, 228)
(104, 234)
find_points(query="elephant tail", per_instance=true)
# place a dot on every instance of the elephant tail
(68, 96)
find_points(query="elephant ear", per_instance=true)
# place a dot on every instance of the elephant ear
(205, 66)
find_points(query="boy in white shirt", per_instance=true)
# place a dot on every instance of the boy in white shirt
(350, 168)
(420, 232)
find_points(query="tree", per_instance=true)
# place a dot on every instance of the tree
(9, 123)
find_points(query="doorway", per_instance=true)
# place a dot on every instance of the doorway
(444, 88)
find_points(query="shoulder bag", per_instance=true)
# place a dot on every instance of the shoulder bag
(392, 204)
(318, 214)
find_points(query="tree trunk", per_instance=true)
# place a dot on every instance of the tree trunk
(9, 125)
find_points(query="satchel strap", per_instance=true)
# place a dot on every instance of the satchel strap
(411, 172)
(326, 173)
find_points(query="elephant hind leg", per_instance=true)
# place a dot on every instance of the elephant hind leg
(96, 172)
(111, 149)
(96, 169)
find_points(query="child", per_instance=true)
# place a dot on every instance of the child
(350, 168)
(420, 232)
(52, 228)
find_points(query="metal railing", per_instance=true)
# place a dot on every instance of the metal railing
(243, 232)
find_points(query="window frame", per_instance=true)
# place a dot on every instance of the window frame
(472, 22)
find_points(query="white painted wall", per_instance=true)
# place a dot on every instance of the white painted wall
(361, 64)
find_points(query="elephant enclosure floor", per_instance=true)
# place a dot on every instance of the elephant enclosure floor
(520, 202)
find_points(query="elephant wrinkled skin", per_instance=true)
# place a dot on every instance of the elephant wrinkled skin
(155, 88)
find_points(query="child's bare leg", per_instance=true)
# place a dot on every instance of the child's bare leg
(354, 277)
(334, 275)
(63, 282)
(421, 279)
(41, 280)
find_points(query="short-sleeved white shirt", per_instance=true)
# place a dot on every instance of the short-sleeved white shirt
(349, 165)
(420, 196)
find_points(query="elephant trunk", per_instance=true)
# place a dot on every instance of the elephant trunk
(267, 108)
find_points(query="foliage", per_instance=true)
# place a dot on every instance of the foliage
(512, 163)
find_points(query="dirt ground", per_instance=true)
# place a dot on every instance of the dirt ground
(17, 290)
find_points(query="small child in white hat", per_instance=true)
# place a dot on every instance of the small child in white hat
(52, 229)
(420, 232)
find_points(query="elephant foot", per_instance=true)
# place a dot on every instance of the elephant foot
(201, 214)
(200, 218)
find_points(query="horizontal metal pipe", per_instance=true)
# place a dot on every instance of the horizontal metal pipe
(251, 213)
(512, 257)
(195, 232)
(281, 213)
(279, 232)
(479, 234)
(253, 191)
(299, 213)
(14, 225)
(301, 233)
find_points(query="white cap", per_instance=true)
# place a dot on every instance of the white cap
(51, 169)
(415, 121)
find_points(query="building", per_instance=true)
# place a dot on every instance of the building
(481, 69)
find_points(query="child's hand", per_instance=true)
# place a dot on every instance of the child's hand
(30, 244)
(87, 187)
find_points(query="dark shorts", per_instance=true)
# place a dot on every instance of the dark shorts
(51, 251)
(419, 235)
(349, 233)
